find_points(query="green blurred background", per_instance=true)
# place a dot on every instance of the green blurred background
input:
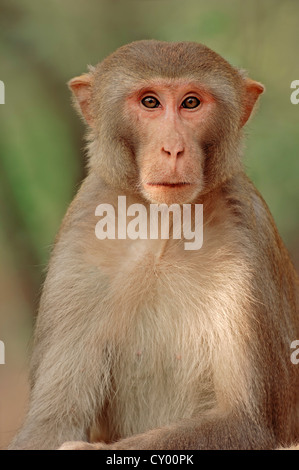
(44, 44)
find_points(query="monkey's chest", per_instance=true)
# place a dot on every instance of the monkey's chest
(172, 312)
(162, 373)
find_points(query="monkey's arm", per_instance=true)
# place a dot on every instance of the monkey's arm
(69, 368)
(213, 431)
(65, 398)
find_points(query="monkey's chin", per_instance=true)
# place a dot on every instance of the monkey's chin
(171, 194)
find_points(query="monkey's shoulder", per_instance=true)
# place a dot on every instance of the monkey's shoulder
(248, 208)
(258, 230)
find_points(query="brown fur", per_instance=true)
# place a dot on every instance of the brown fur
(140, 342)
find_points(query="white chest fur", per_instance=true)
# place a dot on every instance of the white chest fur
(173, 314)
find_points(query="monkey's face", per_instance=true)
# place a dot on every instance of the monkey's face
(165, 119)
(170, 118)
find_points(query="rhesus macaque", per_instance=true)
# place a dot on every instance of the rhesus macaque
(141, 344)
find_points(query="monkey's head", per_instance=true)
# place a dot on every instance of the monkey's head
(166, 118)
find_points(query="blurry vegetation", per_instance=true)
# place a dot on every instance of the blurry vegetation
(44, 44)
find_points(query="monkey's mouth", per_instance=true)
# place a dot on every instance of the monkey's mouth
(169, 185)
(169, 192)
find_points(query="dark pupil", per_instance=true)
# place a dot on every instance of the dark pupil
(191, 102)
(150, 102)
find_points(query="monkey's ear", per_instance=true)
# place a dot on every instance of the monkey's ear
(81, 87)
(252, 91)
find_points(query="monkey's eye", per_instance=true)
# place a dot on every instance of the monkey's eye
(191, 102)
(150, 102)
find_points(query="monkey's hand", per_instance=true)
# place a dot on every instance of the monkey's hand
(145, 441)
(81, 445)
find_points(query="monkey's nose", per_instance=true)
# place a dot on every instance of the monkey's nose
(175, 151)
